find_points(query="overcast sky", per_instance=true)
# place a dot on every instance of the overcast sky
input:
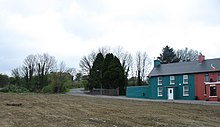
(70, 29)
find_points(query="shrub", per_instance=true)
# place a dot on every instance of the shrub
(68, 84)
(14, 89)
(64, 88)
(85, 84)
(48, 89)
(55, 89)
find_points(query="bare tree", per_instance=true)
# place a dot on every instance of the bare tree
(143, 63)
(119, 52)
(187, 54)
(146, 63)
(16, 72)
(104, 50)
(29, 66)
(72, 71)
(45, 65)
(127, 62)
(125, 59)
(138, 64)
(62, 67)
(86, 62)
(27, 70)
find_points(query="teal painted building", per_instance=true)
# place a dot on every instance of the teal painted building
(180, 87)
(182, 81)
(165, 83)
(172, 87)
(138, 92)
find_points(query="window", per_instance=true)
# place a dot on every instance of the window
(185, 90)
(206, 77)
(212, 90)
(185, 79)
(159, 81)
(159, 91)
(172, 80)
(219, 76)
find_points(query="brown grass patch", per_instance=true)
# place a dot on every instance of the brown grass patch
(58, 110)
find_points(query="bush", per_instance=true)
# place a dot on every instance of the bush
(60, 89)
(85, 84)
(55, 89)
(68, 84)
(48, 89)
(14, 89)
(64, 88)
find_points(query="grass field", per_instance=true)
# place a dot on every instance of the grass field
(58, 110)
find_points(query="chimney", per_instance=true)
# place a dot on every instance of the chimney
(201, 58)
(157, 63)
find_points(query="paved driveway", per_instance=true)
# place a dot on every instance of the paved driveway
(80, 92)
(77, 92)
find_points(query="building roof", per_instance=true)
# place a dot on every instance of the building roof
(186, 67)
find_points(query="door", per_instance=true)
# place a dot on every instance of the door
(170, 93)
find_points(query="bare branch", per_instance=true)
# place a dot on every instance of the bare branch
(143, 63)
(16, 72)
(86, 62)
(104, 50)
(187, 54)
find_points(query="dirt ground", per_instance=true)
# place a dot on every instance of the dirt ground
(59, 110)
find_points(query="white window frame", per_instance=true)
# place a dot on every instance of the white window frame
(159, 91)
(185, 90)
(185, 77)
(215, 90)
(172, 78)
(159, 80)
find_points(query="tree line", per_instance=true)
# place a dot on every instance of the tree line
(169, 55)
(130, 65)
(40, 73)
(106, 67)
(132, 69)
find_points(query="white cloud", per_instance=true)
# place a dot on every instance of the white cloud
(70, 29)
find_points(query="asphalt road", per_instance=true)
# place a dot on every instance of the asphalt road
(80, 92)
(77, 91)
